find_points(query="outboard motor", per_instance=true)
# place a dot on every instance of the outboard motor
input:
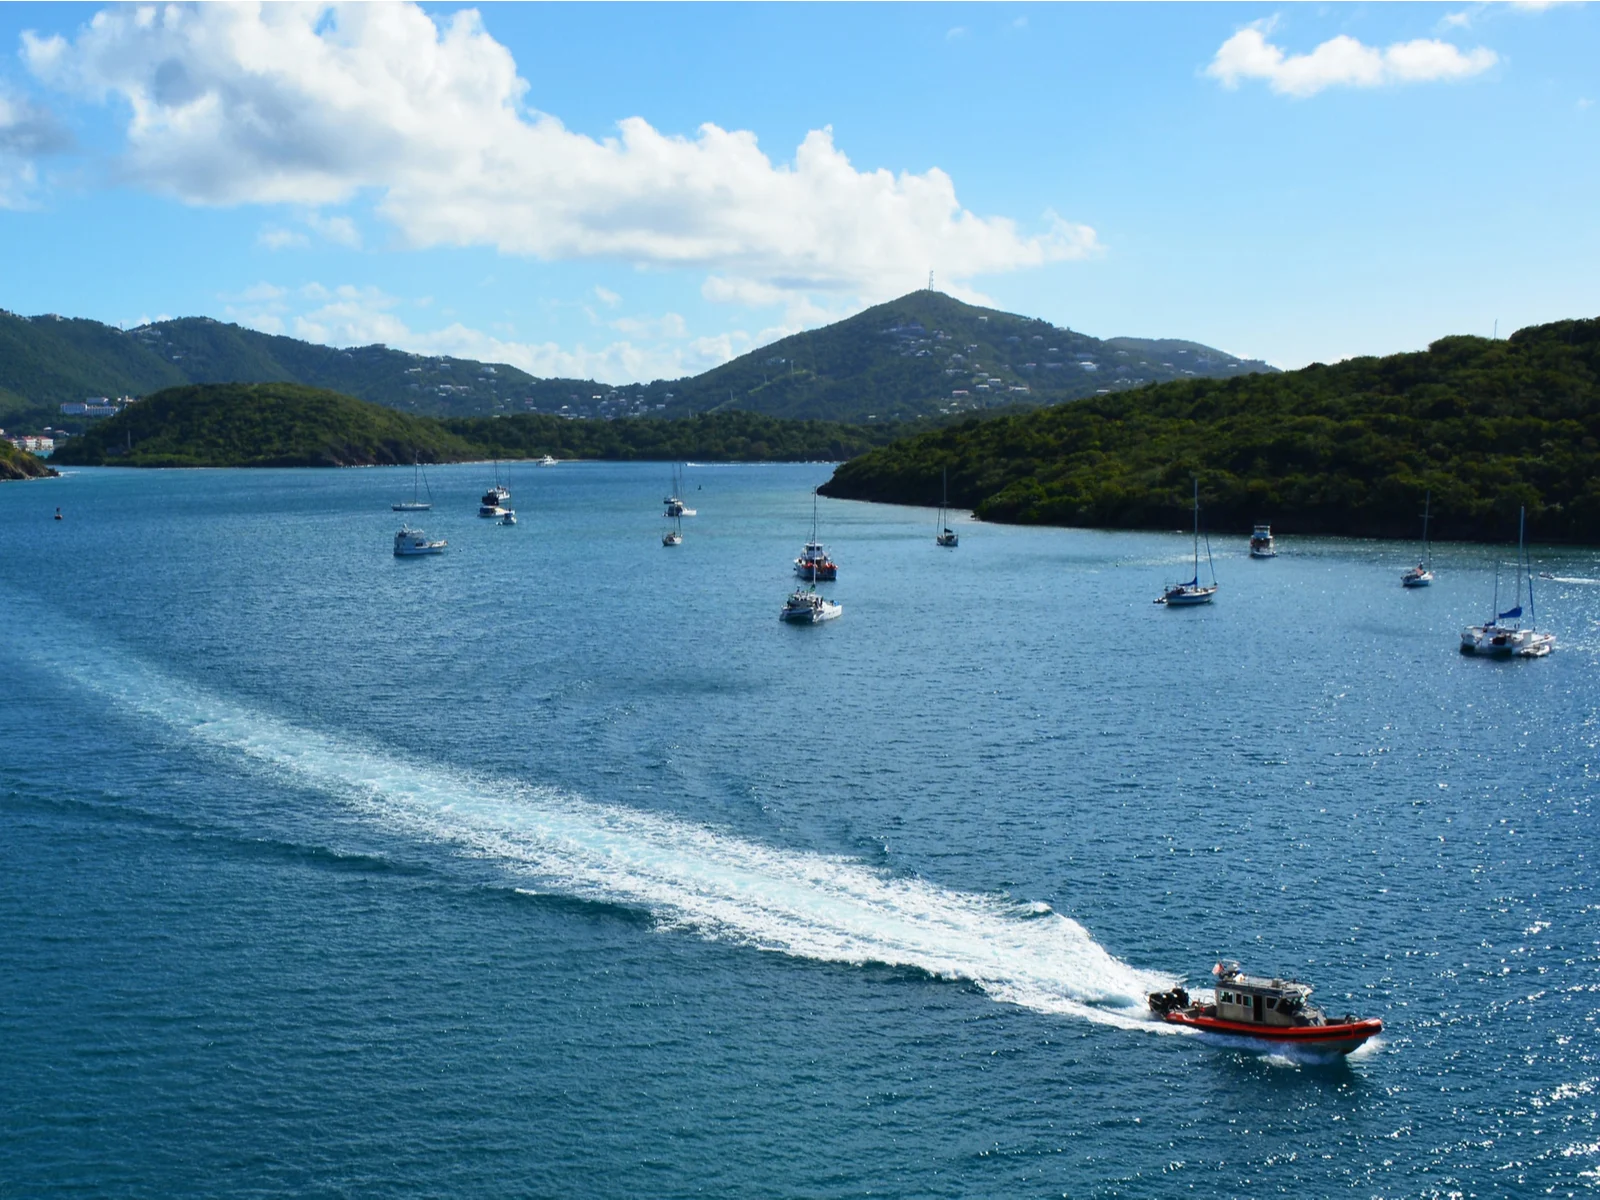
(1161, 1003)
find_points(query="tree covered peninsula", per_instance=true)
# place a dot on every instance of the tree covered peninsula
(287, 425)
(1485, 425)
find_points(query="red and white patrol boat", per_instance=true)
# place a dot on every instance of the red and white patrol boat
(1271, 1010)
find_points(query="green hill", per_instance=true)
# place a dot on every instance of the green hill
(47, 361)
(928, 354)
(902, 360)
(19, 464)
(260, 425)
(1486, 426)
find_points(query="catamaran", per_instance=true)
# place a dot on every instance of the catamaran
(1497, 639)
(1421, 575)
(808, 607)
(1277, 1011)
(943, 534)
(416, 503)
(1183, 595)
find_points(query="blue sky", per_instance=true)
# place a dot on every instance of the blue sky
(643, 191)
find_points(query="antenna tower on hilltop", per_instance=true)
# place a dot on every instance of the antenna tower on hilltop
(930, 281)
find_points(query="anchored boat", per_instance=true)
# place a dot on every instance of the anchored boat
(409, 543)
(1261, 542)
(1504, 635)
(1274, 1010)
(808, 607)
(1184, 595)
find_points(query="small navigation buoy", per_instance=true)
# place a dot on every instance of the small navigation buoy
(58, 514)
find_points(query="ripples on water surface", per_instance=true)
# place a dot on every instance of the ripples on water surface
(557, 866)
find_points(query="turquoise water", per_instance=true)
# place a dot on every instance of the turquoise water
(557, 866)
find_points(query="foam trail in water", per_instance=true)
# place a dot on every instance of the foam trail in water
(804, 904)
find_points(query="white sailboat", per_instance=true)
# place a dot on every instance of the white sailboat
(1503, 635)
(673, 536)
(1421, 575)
(416, 503)
(1185, 595)
(943, 534)
(675, 505)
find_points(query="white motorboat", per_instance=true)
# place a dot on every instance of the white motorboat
(1186, 595)
(416, 503)
(1261, 542)
(807, 607)
(1421, 575)
(1496, 638)
(409, 543)
(547, 461)
(943, 535)
(507, 518)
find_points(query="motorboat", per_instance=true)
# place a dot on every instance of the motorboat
(1274, 1011)
(807, 607)
(1261, 542)
(416, 503)
(409, 543)
(814, 565)
(1421, 575)
(943, 535)
(1186, 595)
(507, 517)
(1503, 635)
(547, 461)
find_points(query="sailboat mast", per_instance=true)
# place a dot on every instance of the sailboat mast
(1522, 520)
(1197, 530)
(1427, 509)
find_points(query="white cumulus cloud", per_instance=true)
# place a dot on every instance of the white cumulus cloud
(311, 105)
(1341, 61)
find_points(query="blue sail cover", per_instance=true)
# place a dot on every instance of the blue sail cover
(1513, 614)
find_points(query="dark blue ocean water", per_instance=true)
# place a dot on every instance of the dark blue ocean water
(557, 866)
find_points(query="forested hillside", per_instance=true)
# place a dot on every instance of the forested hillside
(249, 425)
(1486, 426)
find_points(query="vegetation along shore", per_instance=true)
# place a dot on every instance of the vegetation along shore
(1487, 426)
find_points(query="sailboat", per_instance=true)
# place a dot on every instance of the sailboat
(1421, 575)
(1183, 595)
(814, 563)
(415, 504)
(1496, 639)
(494, 499)
(675, 505)
(943, 534)
(674, 536)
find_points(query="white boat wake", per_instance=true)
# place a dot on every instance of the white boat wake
(687, 875)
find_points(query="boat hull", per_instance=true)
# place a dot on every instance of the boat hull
(810, 616)
(1189, 598)
(1339, 1038)
(1487, 642)
(1412, 580)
